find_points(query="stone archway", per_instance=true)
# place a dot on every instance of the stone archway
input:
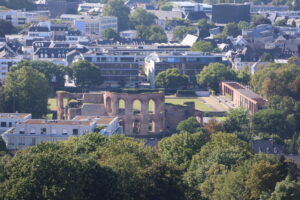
(151, 127)
(121, 106)
(137, 107)
(136, 127)
(108, 102)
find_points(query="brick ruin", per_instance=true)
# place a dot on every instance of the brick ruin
(139, 114)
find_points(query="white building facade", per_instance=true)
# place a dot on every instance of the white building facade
(9, 120)
(34, 131)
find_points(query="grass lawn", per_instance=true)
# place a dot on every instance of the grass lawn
(198, 104)
(52, 103)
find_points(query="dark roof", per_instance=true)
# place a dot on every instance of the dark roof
(194, 16)
(74, 33)
(59, 27)
(268, 146)
(38, 29)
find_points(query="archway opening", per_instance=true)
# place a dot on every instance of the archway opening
(108, 104)
(151, 128)
(122, 124)
(121, 106)
(136, 127)
(137, 107)
(151, 107)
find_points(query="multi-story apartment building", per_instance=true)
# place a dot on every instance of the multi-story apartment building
(242, 96)
(29, 132)
(117, 69)
(8, 120)
(188, 63)
(5, 64)
(34, 131)
(19, 17)
(96, 25)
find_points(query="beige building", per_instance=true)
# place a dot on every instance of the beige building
(242, 96)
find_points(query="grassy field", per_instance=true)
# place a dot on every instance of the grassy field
(136, 105)
(52, 103)
(198, 104)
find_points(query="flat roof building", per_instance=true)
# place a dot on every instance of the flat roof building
(242, 96)
(33, 131)
(9, 120)
(188, 63)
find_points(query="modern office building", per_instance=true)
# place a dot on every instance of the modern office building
(242, 96)
(95, 25)
(188, 63)
(117, 69)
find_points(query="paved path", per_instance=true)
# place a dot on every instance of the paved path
(214, 103)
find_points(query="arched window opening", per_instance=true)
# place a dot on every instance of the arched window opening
(136, 127)
(151, 128)
(121, 106)
(108, 105)
(137, 107)
(151, 107)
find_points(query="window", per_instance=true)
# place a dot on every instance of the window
(32, 131)
(43, 131)
(3, 124)
(22, 131)
(33, 141)
(75, 131)
(10, 124)
(65, 132)
(21, 141)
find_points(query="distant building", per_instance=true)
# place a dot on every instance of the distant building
(268, 8)
(117, 69)
(19, 17)
(188, 6)
(188, 63)
(96, 25)
(90, 7)
(8, 58)
(128, 34)
(8, 120)
(226, 13)
(109, 125)
(242, 96)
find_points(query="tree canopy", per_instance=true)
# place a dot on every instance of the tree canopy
(153, 32)
(86, 74)
(142, 17)
(6, 28)
(213, 74)
(120, 10)
(26, 90)
(54, 73)
(203, 46)
(171, 78)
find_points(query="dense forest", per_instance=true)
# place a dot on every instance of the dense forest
(183, 166)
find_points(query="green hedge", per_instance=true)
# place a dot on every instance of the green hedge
(185, 93)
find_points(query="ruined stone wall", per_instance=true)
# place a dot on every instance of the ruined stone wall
(177, 113)
(134, 122)
(137, 123)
